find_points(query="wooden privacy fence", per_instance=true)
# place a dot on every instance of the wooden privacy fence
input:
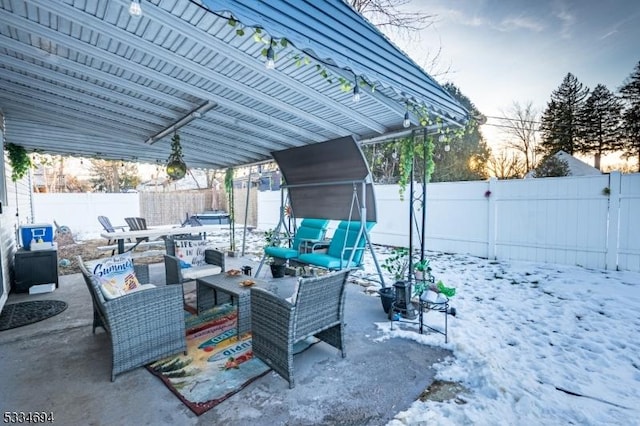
(162, 208)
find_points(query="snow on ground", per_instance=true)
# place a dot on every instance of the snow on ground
(527, 337)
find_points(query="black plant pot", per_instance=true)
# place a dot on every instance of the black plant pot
(277, 271)
(387, 296)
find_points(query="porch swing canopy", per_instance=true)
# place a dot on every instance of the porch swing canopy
(321, 180)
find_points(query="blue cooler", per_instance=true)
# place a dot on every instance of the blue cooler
(37, 232)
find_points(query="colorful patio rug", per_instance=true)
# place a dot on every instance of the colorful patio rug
(218, 363)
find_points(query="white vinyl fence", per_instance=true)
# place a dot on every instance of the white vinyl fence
(591, 221)
(80, 211)
(569, 220)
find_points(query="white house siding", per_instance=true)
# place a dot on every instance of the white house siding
(15, 201)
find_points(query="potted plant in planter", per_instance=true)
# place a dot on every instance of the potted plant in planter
(435, 292)
(396, 265)
(422, 270)
(277, 265)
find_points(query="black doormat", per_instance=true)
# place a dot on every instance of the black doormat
(24, 313)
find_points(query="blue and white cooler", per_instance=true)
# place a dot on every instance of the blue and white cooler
(37, 236)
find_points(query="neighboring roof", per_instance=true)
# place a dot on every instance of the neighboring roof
(321, 180)
(576, 167)
(87, 79)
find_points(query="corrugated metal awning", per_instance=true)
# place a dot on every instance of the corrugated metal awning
(83, 77)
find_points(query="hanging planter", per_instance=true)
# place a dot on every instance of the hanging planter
(176, 167)
(19, 160)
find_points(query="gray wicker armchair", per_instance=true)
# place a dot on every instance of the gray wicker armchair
(276, 324)
(174, 274)
(144, 326)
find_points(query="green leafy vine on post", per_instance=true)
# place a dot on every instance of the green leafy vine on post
(410, 149)
(20, 161)
(228, 187)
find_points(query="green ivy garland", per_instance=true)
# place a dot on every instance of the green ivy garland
(228, 187)
(20, 161)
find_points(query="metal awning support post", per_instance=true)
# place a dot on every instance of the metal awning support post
(246, 211)
(276, 231)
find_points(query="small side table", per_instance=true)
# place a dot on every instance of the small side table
(423, 307)
(312, 246)
(426, 306)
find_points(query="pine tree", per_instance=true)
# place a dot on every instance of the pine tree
(551, 166)
(630, 93)
(560, 119)
(599, 124)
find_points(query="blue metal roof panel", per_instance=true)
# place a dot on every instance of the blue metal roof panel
(336, 33)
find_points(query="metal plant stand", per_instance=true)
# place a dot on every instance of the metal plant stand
(402, 307)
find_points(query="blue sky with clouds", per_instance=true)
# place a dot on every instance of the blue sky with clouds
(501, 51)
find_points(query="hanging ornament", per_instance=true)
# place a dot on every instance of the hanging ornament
(176, 168)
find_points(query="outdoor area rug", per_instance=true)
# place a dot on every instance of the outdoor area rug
(24, 313)
(218, 363)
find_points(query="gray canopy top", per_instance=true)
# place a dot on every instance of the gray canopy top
(323, 178)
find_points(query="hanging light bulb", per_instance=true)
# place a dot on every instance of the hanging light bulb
(356, 92)
(271, 63)
(447, 148)
(176, 167)
(407, 122)
(134, 8)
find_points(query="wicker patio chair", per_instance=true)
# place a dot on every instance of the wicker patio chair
(175, 274)
(317, 309)
(143, 326)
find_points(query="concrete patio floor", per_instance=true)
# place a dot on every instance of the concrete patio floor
(59, 366)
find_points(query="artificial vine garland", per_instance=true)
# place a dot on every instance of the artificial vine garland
(20, 161)
(228, 187)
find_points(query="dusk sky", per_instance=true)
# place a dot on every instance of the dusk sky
(502, 51)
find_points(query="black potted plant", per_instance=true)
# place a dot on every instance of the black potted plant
(278, 265)
(396, 264)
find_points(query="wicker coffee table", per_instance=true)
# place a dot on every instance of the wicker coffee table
(222, 288)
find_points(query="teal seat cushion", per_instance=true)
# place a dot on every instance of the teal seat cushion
(323, 260)
(309, 229)
(344, 236)
(281, 252)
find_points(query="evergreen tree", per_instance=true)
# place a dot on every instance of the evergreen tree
(468, 154)
(560, 119)
(600, 124)
(551, 166)
(630, 93)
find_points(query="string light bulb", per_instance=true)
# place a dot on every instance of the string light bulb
(135, 9)
(271, 63)
(447, 148)
(356, 93)
(407, 122)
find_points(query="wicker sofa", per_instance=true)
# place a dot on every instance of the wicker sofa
(144, 326)
(316, 309)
